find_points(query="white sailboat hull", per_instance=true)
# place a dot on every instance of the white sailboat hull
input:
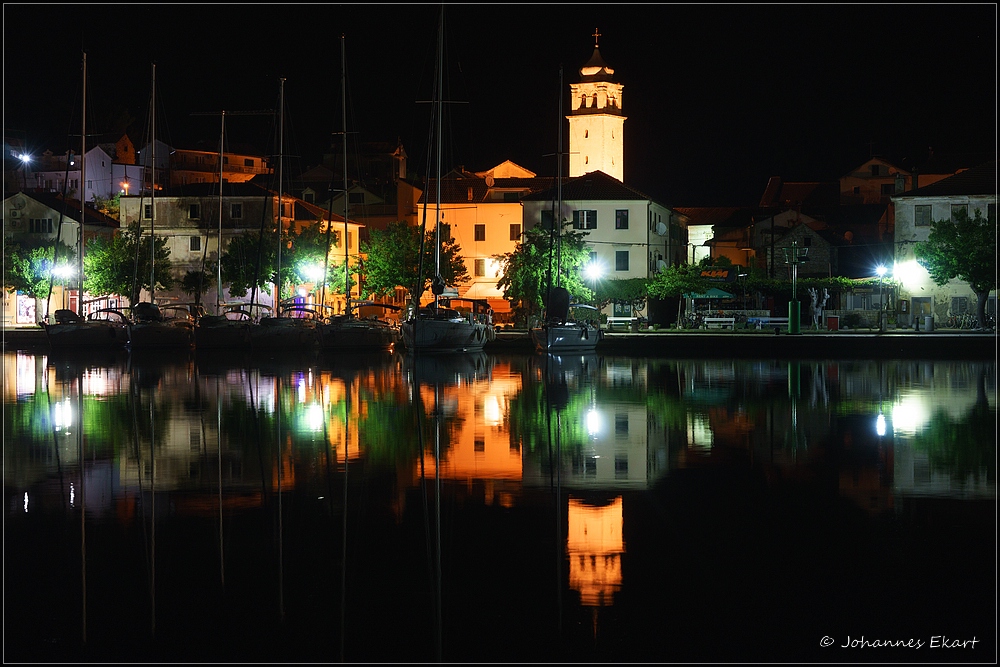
(84, 335)
(446, 335)
(354, 335)
(568, 337)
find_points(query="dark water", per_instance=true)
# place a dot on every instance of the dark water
(498, 508)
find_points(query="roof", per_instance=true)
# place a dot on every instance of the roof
(595, 186)
(596, 69)
(718, 216)
(455, 187)
(981, 180)
(815, 194)
(71, 208)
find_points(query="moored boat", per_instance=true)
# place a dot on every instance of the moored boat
(106, 328)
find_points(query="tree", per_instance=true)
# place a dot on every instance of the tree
(677, 280)
(525, 271)
(632, 291)
(196, 283)
(120, 264)
(28, 268)
(963, 248)
(392, 259)
(248, 263)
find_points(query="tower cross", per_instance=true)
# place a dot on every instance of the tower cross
(595, 36)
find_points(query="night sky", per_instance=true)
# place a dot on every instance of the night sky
(718, 97)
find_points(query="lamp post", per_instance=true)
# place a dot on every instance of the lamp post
(880, 270)
(794, 256)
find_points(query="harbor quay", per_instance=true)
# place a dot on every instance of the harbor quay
(753, 343)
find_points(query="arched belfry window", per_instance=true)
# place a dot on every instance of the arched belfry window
(595, 100)
(583, 101)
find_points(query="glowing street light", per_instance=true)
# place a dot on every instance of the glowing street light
(593, 271)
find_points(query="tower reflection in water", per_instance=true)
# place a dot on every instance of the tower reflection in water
(318, 468)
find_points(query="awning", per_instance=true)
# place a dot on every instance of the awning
(483, 291)
(713, 293)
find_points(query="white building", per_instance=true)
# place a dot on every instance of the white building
(972, 190)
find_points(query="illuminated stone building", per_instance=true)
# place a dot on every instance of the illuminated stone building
(596, 120)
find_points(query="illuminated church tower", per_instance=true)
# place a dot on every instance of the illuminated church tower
(596, 121)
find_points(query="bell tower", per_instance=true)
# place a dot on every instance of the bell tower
(596, 120)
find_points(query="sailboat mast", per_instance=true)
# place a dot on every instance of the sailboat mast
(437, 180)
(83, 182)
(152, 195)
(281, 155)
(557, 219)
(343, 102)
(218, 263)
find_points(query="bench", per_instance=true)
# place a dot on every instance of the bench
(760, 322)
(719, 322)
(627, 321)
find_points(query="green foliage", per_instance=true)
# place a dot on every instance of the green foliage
(196, 283)
(677, 280)
(525, 272)
(121, 264)
(27, 267)
(964, 248)
(632, 291)
(249, 263)
(392, 259)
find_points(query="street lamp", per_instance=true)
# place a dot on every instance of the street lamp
(794, 256)
(593, 271)
(880, 270)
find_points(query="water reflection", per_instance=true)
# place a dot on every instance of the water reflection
(296, 496)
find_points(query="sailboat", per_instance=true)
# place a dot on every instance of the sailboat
(292, 328)
(151, 328)
(225, 330)
(438, 327)
(349, 332)
(559, 333)
(103, 329)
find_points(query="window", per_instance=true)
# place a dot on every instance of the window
(40, 225)
(621, 260)
(584, 219)
(147, 211)
(586, 133)
(90, 184)
(512, 196)
(857, 189)
(888, 188)
(593, 256)
(515, 232)
(959, 208)
(959, 305)
(991, 211)
(248, 162)
(621, 219)
(480, 268)
(807, 241)
(875, 169)
(195, 244)
(309, 197)
(194, 211)
(225, 159)
(236, 211)
(922, 215)
(356, 197)
(547, 218)
(480, 232)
